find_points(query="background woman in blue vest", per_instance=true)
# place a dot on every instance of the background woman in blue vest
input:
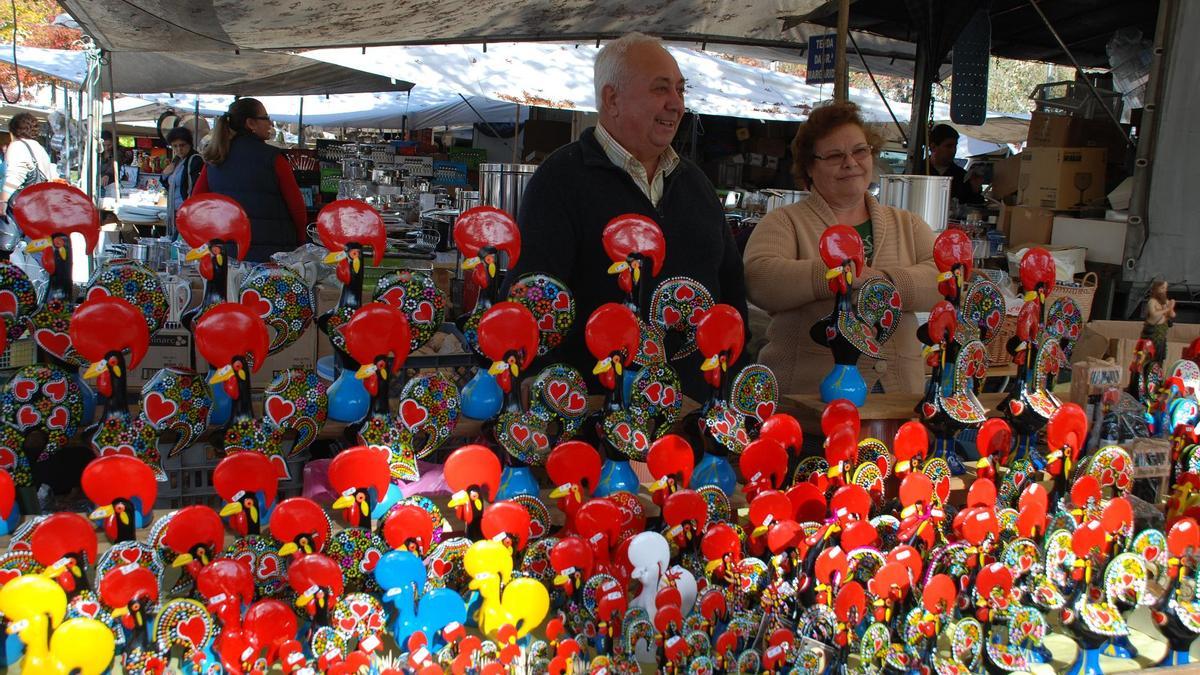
(242, 166)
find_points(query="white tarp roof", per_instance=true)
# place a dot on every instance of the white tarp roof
(243, 74)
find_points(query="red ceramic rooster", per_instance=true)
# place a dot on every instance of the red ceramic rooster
(346, 228)
(248, 483)
(613, 337)
(362, 478)
(574, 468)
(194, 535)
(633, 241)
(508, 336)
(218, 230)
(317, 582)
(489, 242)
(507, 522)
(378, 337)
(994, 439)
(233, 339)
(1145, 372)
(227, 586)
(301, 525)
(65, 544)
(670, 461)
(685, 515)
(764, 465)
(123, 489)
(1066, 435)
(978, 302)
(572, 561)
(949, 404)
(408, 527)
(720, 337)
(103, 330)
(473, 473)
(130, 595)
(599, 524)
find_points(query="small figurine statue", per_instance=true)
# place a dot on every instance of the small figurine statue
(1160, 316)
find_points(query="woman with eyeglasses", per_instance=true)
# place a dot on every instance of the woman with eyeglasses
(834, 155)
(183, 172)
(241, 165)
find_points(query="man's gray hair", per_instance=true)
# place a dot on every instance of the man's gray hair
(610, 62)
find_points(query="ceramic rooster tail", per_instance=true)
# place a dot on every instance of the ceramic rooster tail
(195, 535)
(248, 484)
(362, 478)
(123, 490)
(301, 526)
(633, 242)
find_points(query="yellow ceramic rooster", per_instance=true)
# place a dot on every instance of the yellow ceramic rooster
(519, 603)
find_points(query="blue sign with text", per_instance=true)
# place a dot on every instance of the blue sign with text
(822, 57)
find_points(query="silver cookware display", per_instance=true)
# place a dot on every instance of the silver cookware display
(926, 196)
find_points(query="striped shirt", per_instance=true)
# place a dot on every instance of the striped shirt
(653, 188)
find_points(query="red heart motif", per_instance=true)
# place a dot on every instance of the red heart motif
(441, 567)
(257, 304)
(23, 389)
(576, 403)
(424, 312)
(1118, 463)
(538, 566)
(158, 408)
(394, 296)
(1016, 407)
(193, 630)
(669, 396)
(685, 293)
(370, 560)
(27, 416)
(928, 410)
(640, 442)
(623, 431)
(89, 608)
(654, 392)
(894, 301)
(280, 409)
(671, 316)
(649, 348)
(375, 621)
(741, 437)
(562, 301)
(413, 413)
(8, 458)
(540, 441)
(830, 333)
(557, 390)
(8, 302)
(125, 449)
(887, 319)
(696, 315)
(1150, 552)
(52, 341)
(360, 609)
(992, 320)
(765, 410)
(520, 432)
(1026, 562)
(130, 555)
(268, 567)
(56, 390)
(58, 419)
(8, 575)
(546, 323)
(348, 624)
(536, 529)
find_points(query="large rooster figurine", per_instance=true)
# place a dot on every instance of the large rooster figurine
(103, 330)
(637, 248)
(613, 337)
(979, 302)
(949, 404)
(193, 537)
(218, 231)
(347, 227)
(854, 327)
(490, 243)
(248, 483)
(123, 490)
(361, 477)
(720, 336)
(233, 339)
(473, 473)
(1028, 405)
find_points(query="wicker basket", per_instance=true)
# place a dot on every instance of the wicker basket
(1083, 292)
(997, 352)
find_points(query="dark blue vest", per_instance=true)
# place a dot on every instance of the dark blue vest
(248, 176)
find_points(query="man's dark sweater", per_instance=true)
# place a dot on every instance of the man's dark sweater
(564, 209)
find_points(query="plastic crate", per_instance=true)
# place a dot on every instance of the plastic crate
(450, 173)
(18, 354)
(417, 166)
(190, 478)
(473, 157)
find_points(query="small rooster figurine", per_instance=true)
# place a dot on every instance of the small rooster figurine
(613, 337)
(979, 302)
(103, 329)
(949, 404)
(65, 544)
(636, 246)
(489, 242)
(1145, 373)
(248, 483)
(473, 473)
(720, 336)
(1028, 406)
(574, 468)
(123, 489)
(377, 337)
(233, 339)
(301, 526)
(194, 536)
(853, 328)
(362, 478)
(347, 227)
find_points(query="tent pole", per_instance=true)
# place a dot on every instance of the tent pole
(66, 135)
(516, 133)
(300, 125)
(112, 109)
(922, 98)
(841, 72)
(196, 124)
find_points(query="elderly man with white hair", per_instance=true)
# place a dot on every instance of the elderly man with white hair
(626, 165)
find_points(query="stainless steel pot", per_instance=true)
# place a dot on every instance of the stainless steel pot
(926, 196)
(501, 185)
(780, 198)
(466, 199)
(387, 176)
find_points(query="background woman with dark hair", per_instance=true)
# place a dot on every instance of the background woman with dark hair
(25, 161)
(241, 165)
(184, 171)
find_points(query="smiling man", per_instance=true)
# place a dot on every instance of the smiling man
(626, 165)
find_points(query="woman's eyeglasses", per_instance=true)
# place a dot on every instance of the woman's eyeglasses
(858, 154)
(265, 118)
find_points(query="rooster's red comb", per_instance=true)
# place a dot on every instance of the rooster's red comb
(210, 216)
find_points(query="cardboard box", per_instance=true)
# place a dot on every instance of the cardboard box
(1062, 178)
(1121, 337)
(1091, 377)
(1103, 239)
(169, 347)
(1029, 225)
(1047, 130)
(1005, 175)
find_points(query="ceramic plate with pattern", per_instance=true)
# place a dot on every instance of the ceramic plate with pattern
(755, 392)
(17, 299)
(184, 623)
(676, 306)
(552, 306)
(334, 319)
(282, 299)
(297, 399)
(429, 405)
(539, 517)
(559, 393)
(178, 400)
(444, 564)
(416, 295)
(134, 283)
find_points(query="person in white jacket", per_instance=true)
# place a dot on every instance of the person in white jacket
(24, 159)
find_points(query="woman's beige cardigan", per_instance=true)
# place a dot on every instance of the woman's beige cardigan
(786, 277)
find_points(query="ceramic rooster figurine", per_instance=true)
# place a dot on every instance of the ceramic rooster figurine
(301, 526)
(65, 545)
(720, 337)
(233, 339)
(636, 246)
(978, 301)
(518, 604)
(1177, 612)
(123, 490)
(574, 468)
(377, 336)
(248, 483)
(37, 607)
(855, 327)
(10, 511)
(490, 243)
(1028, 406)
(473, 473)
(613, 336)
(1145, 373)
(347, 227)
(103, 330)
(193, 537)
(949, 404)
(361, 476)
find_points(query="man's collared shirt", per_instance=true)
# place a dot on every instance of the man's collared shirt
(653, 188)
